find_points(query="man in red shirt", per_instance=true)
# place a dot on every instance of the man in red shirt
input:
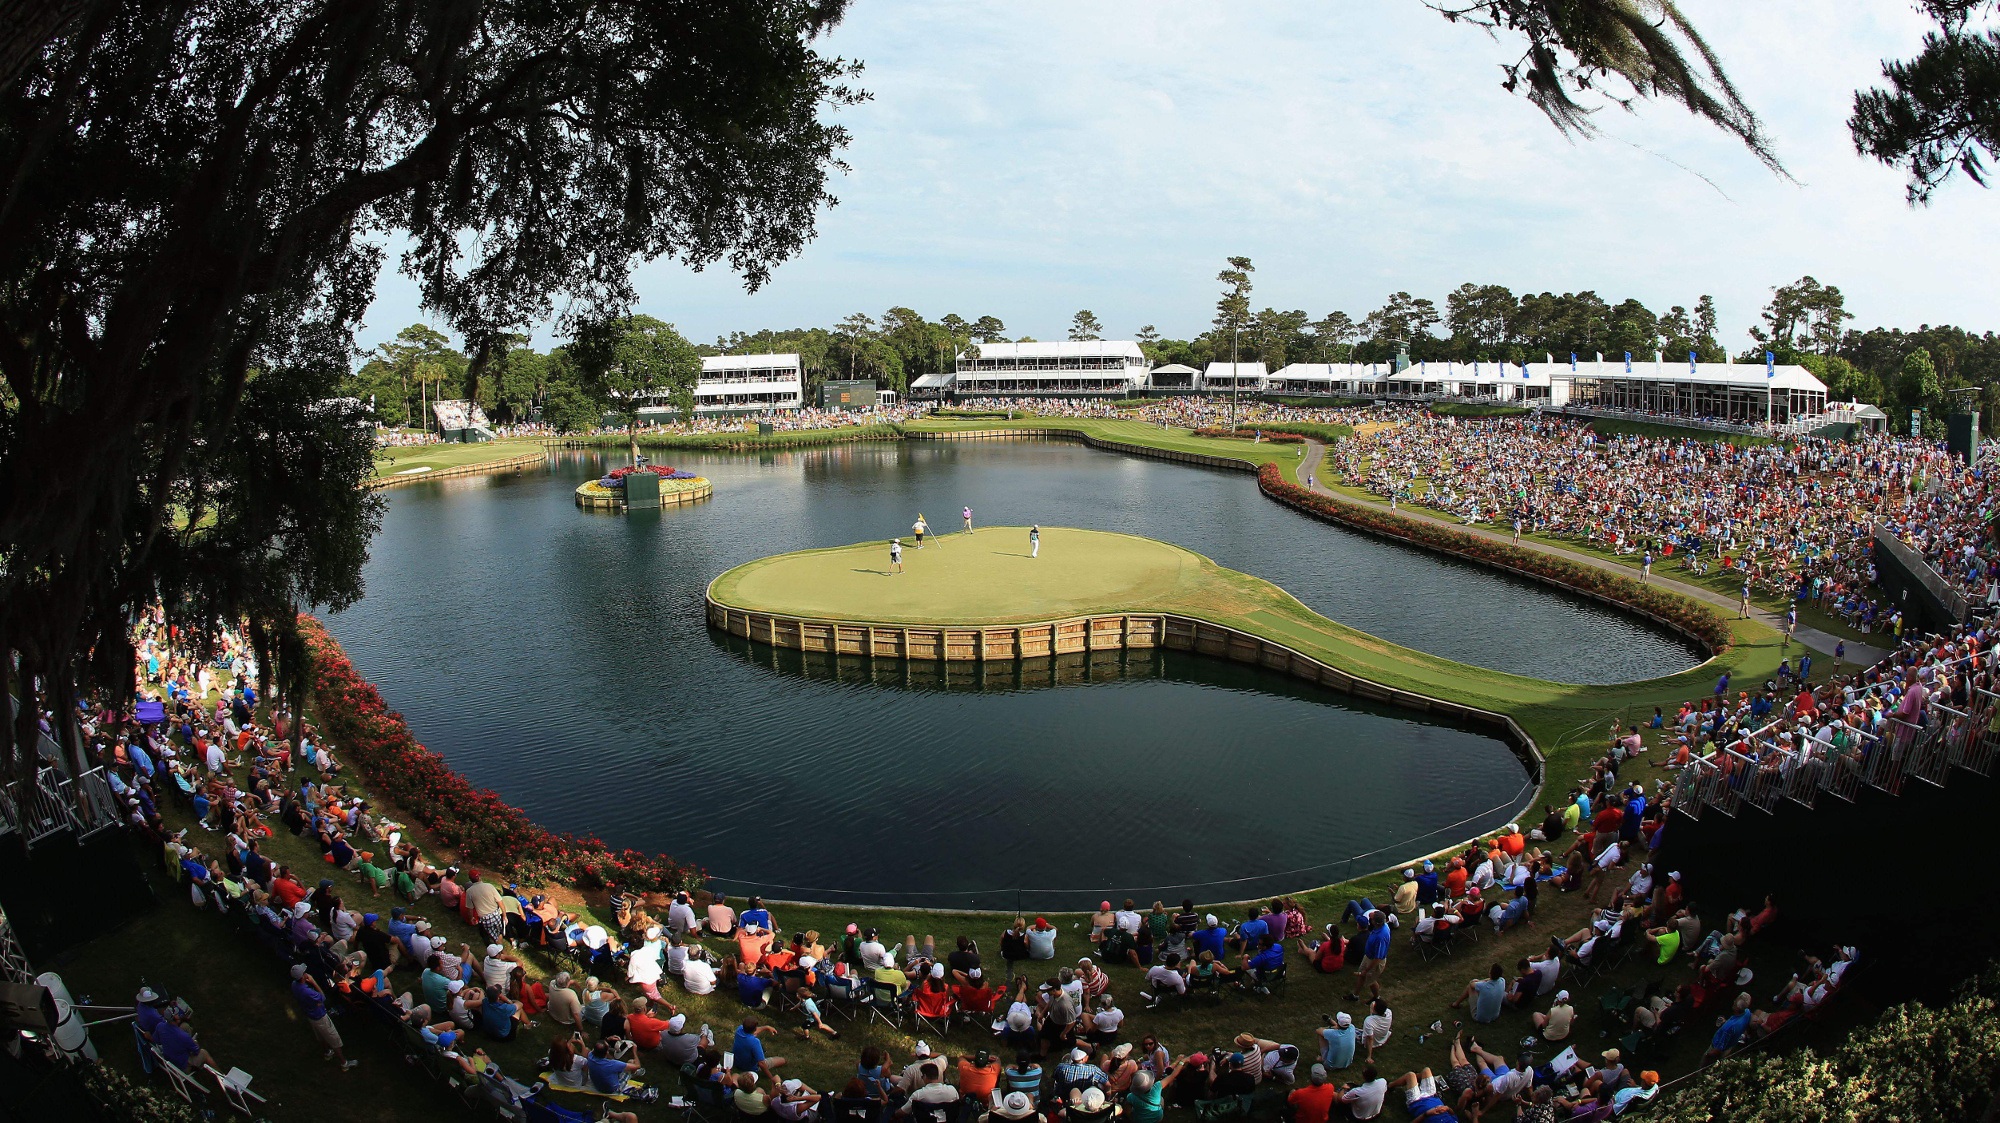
(1314, 1102)
(1606, 823)
(644, 1025)
(974, 996)
(285, 890)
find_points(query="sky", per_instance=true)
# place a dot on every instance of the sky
(1031, 159)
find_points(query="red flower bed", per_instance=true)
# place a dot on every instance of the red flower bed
(474, 821)
(1249, 432)
(656, 469)
(1699, 620)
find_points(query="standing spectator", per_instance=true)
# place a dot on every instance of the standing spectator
(312, 1007)
(1374, 953)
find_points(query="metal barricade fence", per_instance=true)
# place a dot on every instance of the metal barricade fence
(1928, 756)
(1725, 779)
(1886, 757)
(1724, 789)
(1764, 783)
(1981, 746)
(44, 808)
(96, 803)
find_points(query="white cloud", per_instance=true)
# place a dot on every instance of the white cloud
(1041, 157)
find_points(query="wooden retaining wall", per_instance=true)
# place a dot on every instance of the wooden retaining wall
(1106, 632)
(510, 464)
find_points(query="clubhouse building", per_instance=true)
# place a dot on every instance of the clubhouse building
(1087, 369)
(749, 384)
(1716, 394)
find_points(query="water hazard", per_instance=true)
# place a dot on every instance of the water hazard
(561, 658)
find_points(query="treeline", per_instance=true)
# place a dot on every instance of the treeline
(1805, 323)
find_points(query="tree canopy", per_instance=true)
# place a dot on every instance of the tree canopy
(199, 196)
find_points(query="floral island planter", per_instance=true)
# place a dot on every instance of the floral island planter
(677, 488)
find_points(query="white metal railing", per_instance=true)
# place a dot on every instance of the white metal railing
(1770, 773)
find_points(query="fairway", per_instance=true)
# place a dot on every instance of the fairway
(985, 577)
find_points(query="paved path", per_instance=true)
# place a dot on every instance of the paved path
(1857, 653)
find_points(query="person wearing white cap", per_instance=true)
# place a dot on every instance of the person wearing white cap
(1075, 1070)
(678, 1046)
(1211, 936)
(1406, 893)
(923, 1065)
(809, 1012)
(1017, 1107)
(796, 1102)
(932, 1089)
(1555, 1025)
(1337, 1038)
(496, 966)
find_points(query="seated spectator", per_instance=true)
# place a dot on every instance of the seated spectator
(564, 1007)
(569, 1061)
(1420, 1096)
(796, 1103)
(644, 1025)
(1041, 938)
(1555, 1025)
(698, 975)
(1488, 996)
(608, 1075)
(747, 1098)
(1164, 978)
(721, 918)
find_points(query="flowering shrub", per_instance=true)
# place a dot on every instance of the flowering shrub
(1701, 621)
(473, 821)
(617, 477)
(1249, 432)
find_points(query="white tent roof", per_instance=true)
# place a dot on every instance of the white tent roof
(1331, 372)
(1056, 349)
(1234, 370)
(1742, 376)
(933, 381)
(1175, 368)
(748, 362)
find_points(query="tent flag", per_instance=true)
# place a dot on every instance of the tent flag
(1572, 362)
(1524, 369)
(1691, 369)
(1628, 362)
(1770, 365)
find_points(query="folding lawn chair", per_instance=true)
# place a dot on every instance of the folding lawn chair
(235, 1085)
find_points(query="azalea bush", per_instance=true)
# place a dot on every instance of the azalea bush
(1249, 432)
(1706, 624)
(616, 477)
(1916, 1062)
(1326, 433)
(427, 792)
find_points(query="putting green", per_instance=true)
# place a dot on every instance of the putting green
(986, 577)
